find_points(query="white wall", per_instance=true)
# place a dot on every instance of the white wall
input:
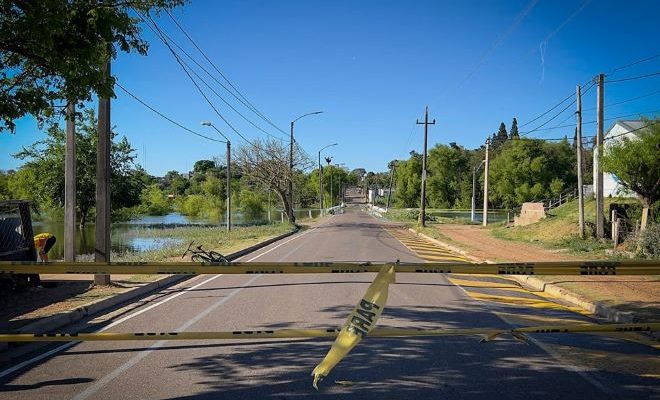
(611, 186)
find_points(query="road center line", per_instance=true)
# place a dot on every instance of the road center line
(98, 385)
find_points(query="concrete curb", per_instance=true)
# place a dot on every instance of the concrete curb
(56, 321)
(597, 308)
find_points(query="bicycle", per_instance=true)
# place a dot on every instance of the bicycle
(201, 255)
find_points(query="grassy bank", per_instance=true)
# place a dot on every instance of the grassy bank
(211, 238)
(559, 230)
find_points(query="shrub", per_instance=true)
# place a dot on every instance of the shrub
(648, 242)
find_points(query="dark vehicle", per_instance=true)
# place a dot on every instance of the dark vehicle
(201, 255)
(16, 242)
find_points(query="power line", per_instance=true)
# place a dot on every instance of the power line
(634, 63)
(165, 116)
(624, 101)
(249, 104)
(634, 130)
(172, 41)
(199, 89)
(549, 110)
(632, 78)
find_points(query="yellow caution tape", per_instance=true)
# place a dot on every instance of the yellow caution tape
(361, 321)
(625, 267)
(488, 333)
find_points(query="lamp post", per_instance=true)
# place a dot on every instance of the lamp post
(208, 123)
(321, 179)
(293, 216)
(474, 187)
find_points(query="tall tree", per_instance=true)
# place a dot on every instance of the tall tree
(43, 173)
(51, 51)
(267, 162)
(514, 130)
(636, 164)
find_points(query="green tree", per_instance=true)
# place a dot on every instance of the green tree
(525, 169)
(636, 164)
(154, 200)
(41, 179)
(514, 130)
(448, 167)
(408, 181)
(252, 204)
(55, 50)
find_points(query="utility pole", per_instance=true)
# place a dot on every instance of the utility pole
(486, 168)
(70, 185)
(578, 137)
(102, 242)
(474, 190)
(293, 215)
(600, 217)
(389, 193)
(228, 186)
(320, 187)
(422, 214)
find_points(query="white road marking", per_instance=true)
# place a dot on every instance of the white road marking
(98, 385)
(65, 346)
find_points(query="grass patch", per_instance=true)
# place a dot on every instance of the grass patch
(211, 238)
(559, 230)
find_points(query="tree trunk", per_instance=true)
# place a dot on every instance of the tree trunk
(646, 205)
(287, 207)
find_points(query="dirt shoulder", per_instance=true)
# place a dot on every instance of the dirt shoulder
(637, 294)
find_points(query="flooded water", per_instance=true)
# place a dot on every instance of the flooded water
(129, 236)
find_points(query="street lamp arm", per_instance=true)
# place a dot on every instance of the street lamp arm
(209, 123)
(304, 115)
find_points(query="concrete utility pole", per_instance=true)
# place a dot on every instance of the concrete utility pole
(486, 168)
(600, 217)
(228, 190)
(228, 186)
(422, 214)
(474, 190)
(104, 145)
(578, 138)
(70, 185)
(389, 193)
(293, 214)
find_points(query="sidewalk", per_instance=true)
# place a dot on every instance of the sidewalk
(622, 298)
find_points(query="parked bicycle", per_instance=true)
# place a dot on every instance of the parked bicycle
(201, 255)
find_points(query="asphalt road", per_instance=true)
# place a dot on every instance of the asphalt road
(438, 368)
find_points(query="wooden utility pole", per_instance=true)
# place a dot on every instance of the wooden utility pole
(486, 168)
(70, 184)
(578, 138)
(598, 167)
(102, 242)
(293, 214)
(389, 193)
(422, 214)
(228, 186)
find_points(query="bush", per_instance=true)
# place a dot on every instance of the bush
(648, 242)
(252, 204)
(154, 201)
(201, 206)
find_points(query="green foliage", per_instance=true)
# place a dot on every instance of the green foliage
(636, 163)
(154, 201)
(252, 204)
(408, 182)
(449, 168)
(53, 51)
(647, 245)
(514, 130)
(201, 206)
(528, 170)
(41, 178)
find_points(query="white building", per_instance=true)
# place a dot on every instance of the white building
(621, 129)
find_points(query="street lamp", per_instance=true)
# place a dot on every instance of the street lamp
(228, 142)
(474, 187)
(293, 215)
(321, 179)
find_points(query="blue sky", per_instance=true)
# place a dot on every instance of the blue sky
(372, 66)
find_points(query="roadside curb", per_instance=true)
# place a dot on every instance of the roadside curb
(597, 308)
(56, 321)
